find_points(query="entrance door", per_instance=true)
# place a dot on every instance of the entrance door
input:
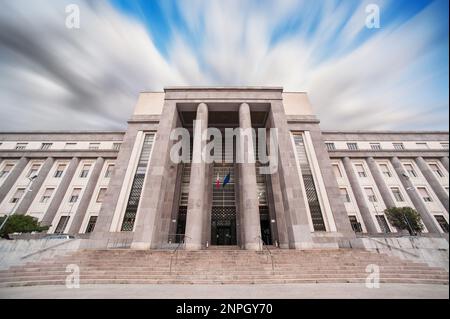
(223, 234)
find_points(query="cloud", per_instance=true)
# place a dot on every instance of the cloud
(89, 78)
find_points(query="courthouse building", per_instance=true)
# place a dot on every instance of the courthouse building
(122, 189)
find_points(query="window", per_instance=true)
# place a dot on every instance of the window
(33, 170)
(422, 146)
(47, 194)
(330, 146)
(424, 194)
(399, 146)
(91, 224)
(352, 146)
(21, 146)
(60, 170)
(6, 170)
(71, 146)
(344, 195)
(409, 168)
(85, 171)
(444, 145)
(442, 222)
(356, 226)
(109, 171)
(101, 195)
(94, 146)
(370, 194)
(116, 146)
(337, 171)
(447, 189)
(360, 170)
(46, 146)
(397, 194)
(18, 195)
(383, 224)
(61, 224)
(385, 170)
(75, 194)
(436, 170)
(375, 146)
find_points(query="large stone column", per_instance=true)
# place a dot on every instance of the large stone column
(196, 203)
(12, 177)
(86, 198)
(296, 214)
(35, 186)
(433, 181)
(251, 218)
(413, 194)
(381, 184)
(360, 197)
(60, 192)
(444, 161)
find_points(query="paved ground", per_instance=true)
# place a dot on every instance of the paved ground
(288, 291)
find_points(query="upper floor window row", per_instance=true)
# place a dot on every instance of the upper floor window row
(380, 146)
(51, 146)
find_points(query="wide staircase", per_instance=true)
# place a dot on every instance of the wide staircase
(222, 266)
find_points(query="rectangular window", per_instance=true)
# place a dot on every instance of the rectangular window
(85, 170)
(91, 224)
(344, 195)
(46, 146)
(352, 146)
(101, 195)
(444, 146)
(436, 170)
(61, 225)
(116, 146)
(360, 169)
(370, 194)
(424, 194)
(356, 226)
(75, 194)
(47, 194)
(33, 170)
(18, 195)
(410, 169)
(422, 146)
(337, 171)
(109, 171)
(94, 146)
(385, 170)
(383, 224)
(375, 146)
(442, 222)
(399, 146)
(397, 194)
(5, 171)
(330, 146)
(60, 170)
(21, 146)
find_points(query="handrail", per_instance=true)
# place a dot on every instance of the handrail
(391, 247)
(269, 252)
(47, 248)
(175, 252)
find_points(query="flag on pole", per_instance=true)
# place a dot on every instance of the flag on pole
(218, 182)
(226, 180)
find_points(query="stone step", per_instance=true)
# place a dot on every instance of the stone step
(171, 281)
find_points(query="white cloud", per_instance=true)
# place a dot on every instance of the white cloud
(89, 78)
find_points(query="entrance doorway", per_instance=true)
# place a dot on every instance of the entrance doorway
(223, 226)
(265, 222)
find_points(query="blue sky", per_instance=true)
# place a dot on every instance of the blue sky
(394, 77)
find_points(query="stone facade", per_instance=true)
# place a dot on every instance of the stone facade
(122, 189)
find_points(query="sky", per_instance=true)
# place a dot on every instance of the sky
(394, 77)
